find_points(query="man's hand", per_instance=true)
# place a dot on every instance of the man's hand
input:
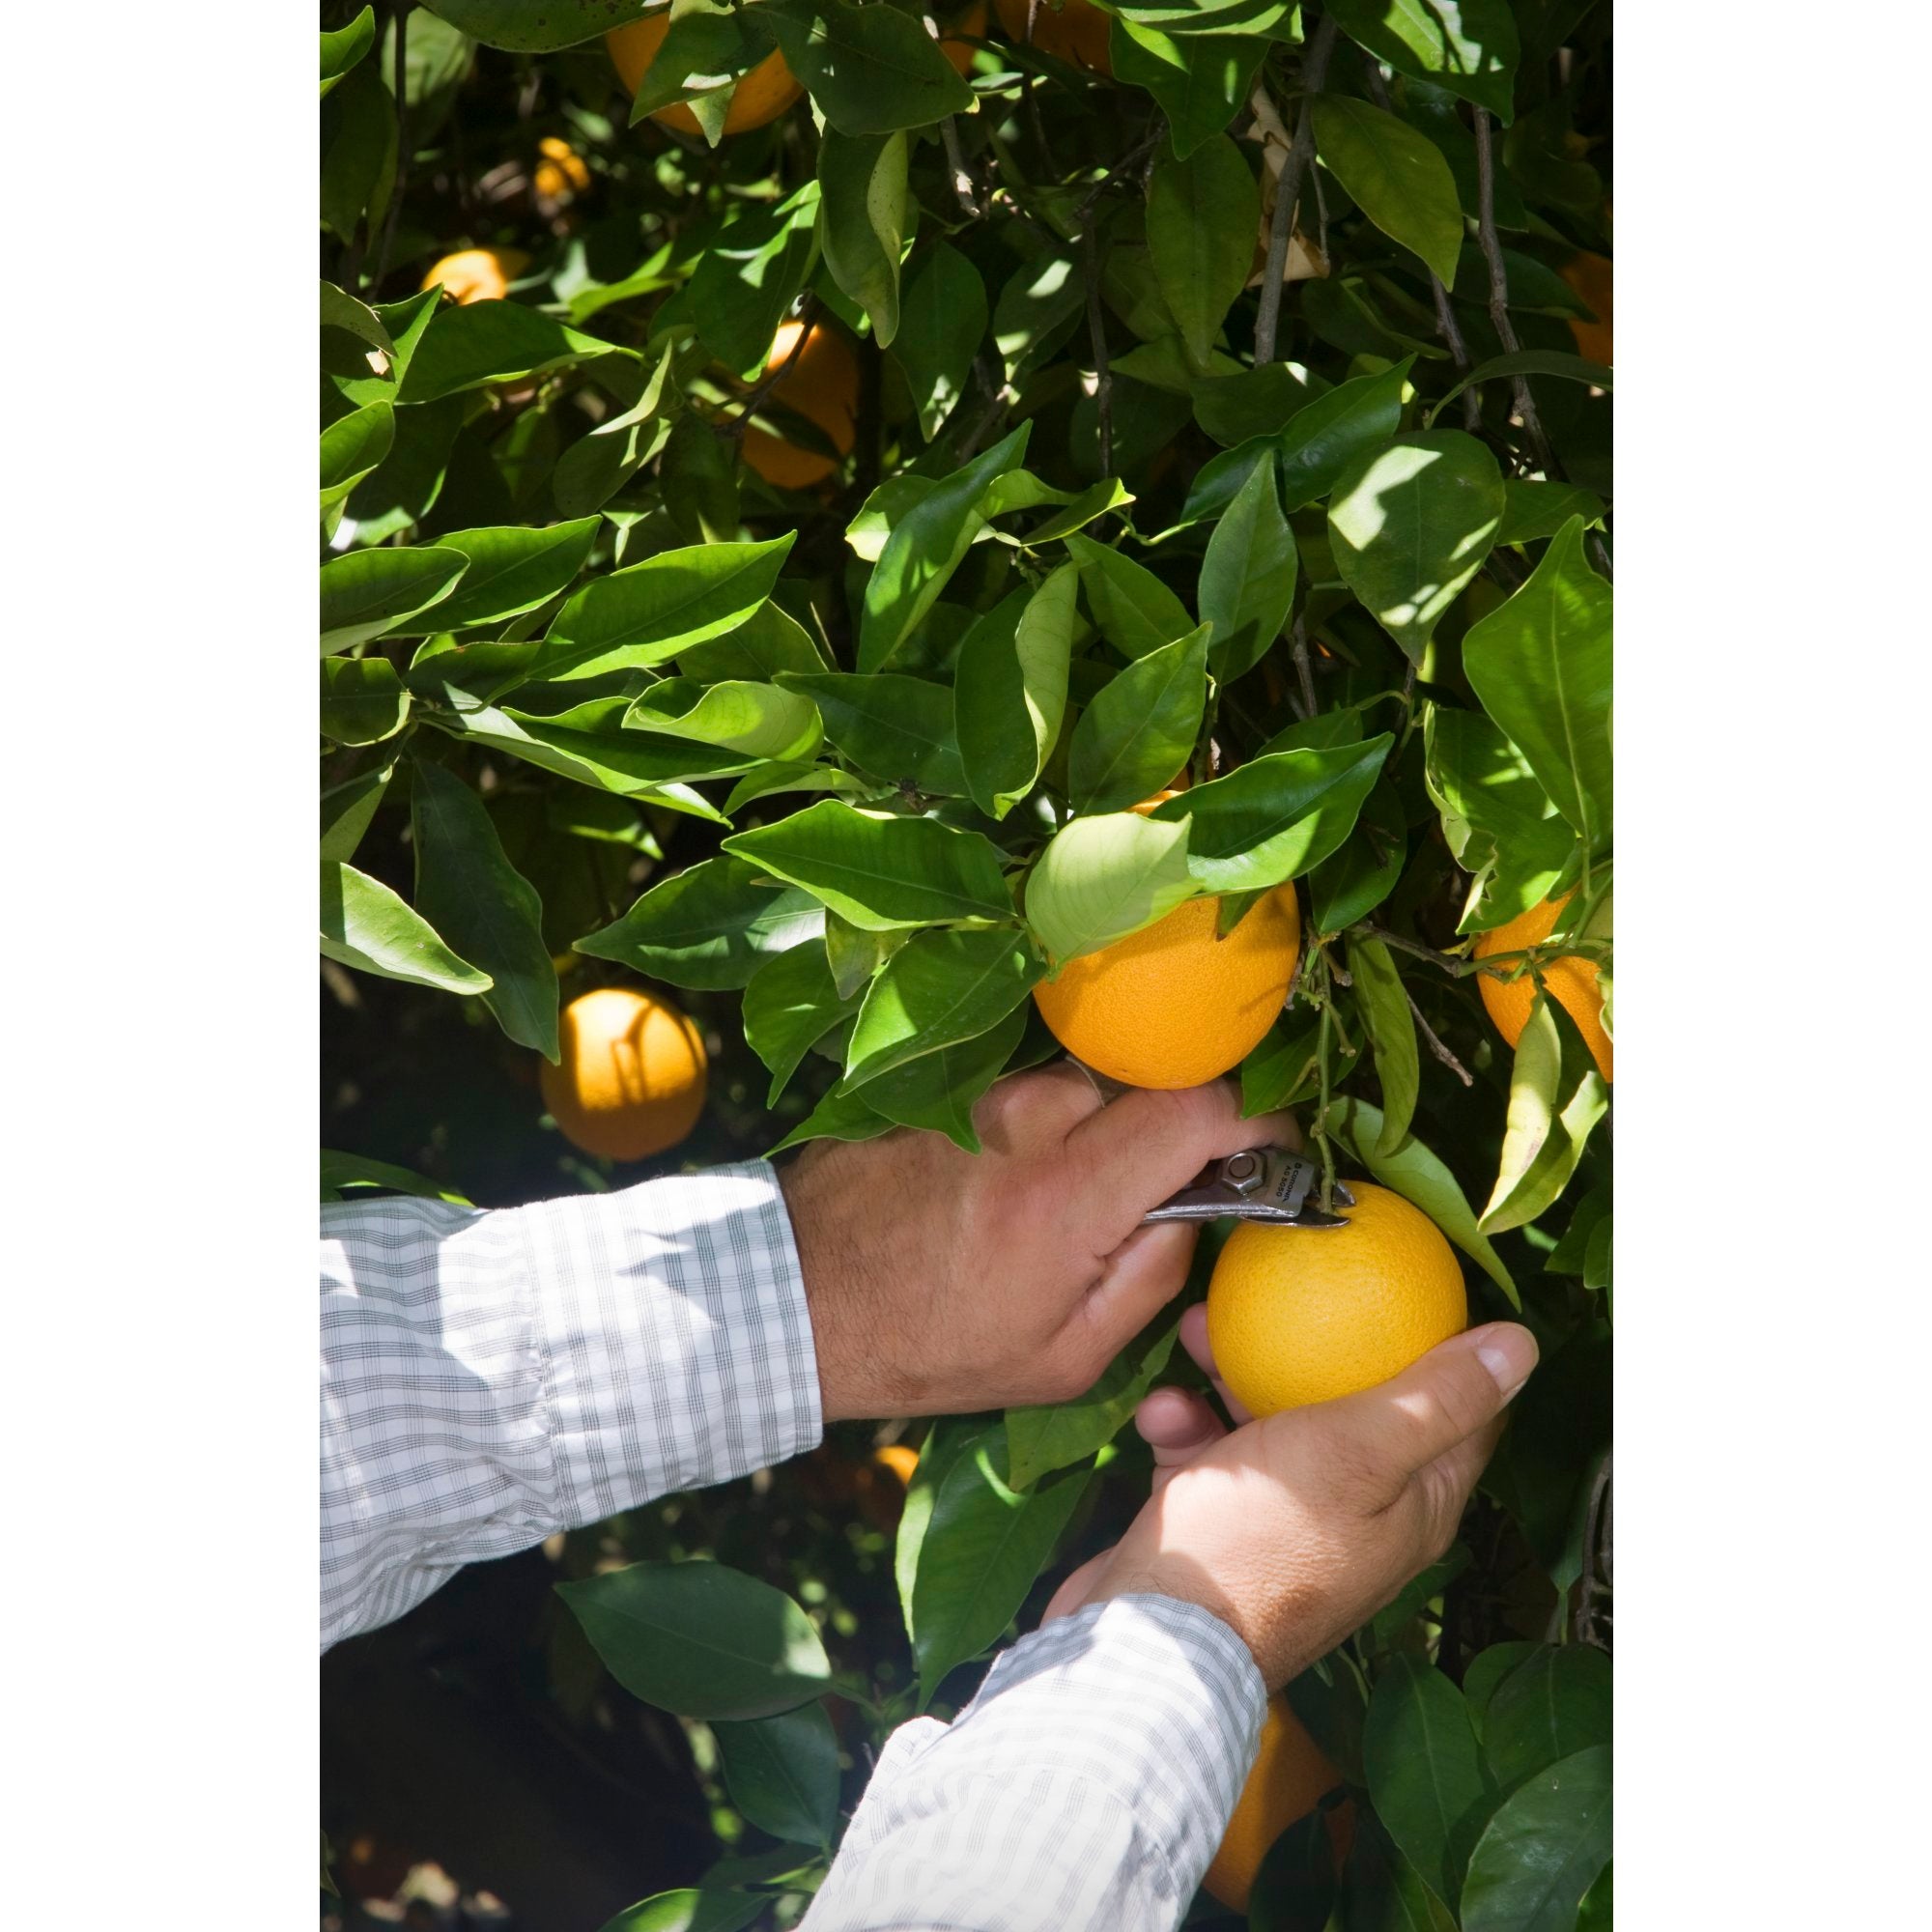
(1295, 1529)
(943, 1282)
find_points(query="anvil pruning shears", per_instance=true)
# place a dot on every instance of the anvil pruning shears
(1271, 1185)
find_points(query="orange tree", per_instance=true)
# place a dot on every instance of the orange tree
(767, 569)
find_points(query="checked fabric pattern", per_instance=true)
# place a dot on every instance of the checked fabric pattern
(490, 1376)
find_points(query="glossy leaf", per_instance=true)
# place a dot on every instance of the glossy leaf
(710, 926)
(942, 322)
(1139, 731)
(1103, 877)
(1276, 816)
(747, 280)
(946, 1440)
(760, 720)
(1383, 1007)
(881, 872)
(341, 1170)
(1201, 80)
(348, 807)
(1529, 362)
(701, 1640)
(1424, 1773)
(1257, 402)
(1541, 1851)
(1534, 511)
(790, 1004)
(1336, 430)
(483, 906)
(367, 593)
(782, 1773)
(469, 345)
(1411, 526)
(1203, 212)
(1542, 665)
(589, 745)
(899, 728)
(767, 644)
(1363, 871)
(1556, 1097)
(839, 1117)
(1395, 175)
(362, 700)
(1382, 1892)
(366, 926)
(871, 70)
(1135, 611)
(512, 570)
(1010, 690)
(1556, 1702)
(926, 548)
(343, 49)
(1469, 47)
(1058, 1435)
(1417, 1174)
(521, 28)
(938, 1090)
(983, 1547)
(352, 447)
(658, 607)
(939, 988)
(1247, 578)
(862, 221)
(688, 1910)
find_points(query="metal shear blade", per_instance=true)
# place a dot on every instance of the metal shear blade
(1271, 1185)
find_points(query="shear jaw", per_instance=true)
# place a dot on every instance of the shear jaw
(1269, 1185)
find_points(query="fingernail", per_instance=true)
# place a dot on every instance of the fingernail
(1509, 1352)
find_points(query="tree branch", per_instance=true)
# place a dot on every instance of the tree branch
(1288, 192)
(733, 427)
(1304, 668)
(1436, 1045)
(1499, 316)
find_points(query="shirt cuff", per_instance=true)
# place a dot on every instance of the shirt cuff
(673, 1336)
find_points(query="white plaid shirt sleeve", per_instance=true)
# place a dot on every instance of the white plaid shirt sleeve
(488, 1377)
(1088, 1784)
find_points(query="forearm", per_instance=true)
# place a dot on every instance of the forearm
(490, 1377)
(1087, 1784)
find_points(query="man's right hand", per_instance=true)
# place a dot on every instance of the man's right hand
(1296, 1528)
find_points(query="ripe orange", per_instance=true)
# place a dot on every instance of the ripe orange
(1296, 1315)
(900, 1458)
(560, 172)
(1590, 276)
(1572, 980)
(631, 1077)
(1075, 32)
(823, 387)
(762, 94)
(1289, 1777)
(478, 274)
(1172, 1005)
(972, 21)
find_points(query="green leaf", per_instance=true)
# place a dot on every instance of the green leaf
(839, 1117)
(709, 927)
(700, 44)
(1534, 510)
(1384, 1009)
(751, 275)
(1529, 362)
(512, 569)
(590, 746)
(701, 1640)
(899, 728)
(1037, 308)
(1135, 611)
(937, 989)
(1543, 1850)
(942, 322)
(760, 720)
(596, 467)
(937, 1091)
(878, 871)
(343, 49)
(1140, 729)
(521, 28)
(946, 1441)
(347, 809)
(351, 446)
(1411, 526)
(359, 162)
(654, 609)
(1395, 175)
(926, 548)
(1382, 1892)
(871, 70)
(1009, 694)
(983, 1547)
(1104, 877)
(1276, 816)
(1541, 664)
(767, 644)
(1041, 1440)
(341, 1170)
(1363, 871)
(1424, 1771)
(1257, 402)
(1556, 1097)
(1203, 214)
(862, 221)
(688, 1909)
(1091, 504)
(364, 924)
(1414, 1173)
(1468, 46)
(1337, 429)
(854, 953)
(366, 593)
(1220, 480)
(1485, 1675)
(791, 1002)
(362, 700)
(1201, 80)
(470, 344)
(1247, 578)
(469, 891)
(1553, 1704)
(406, 485)
(782, 1773)
(1497, 820)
